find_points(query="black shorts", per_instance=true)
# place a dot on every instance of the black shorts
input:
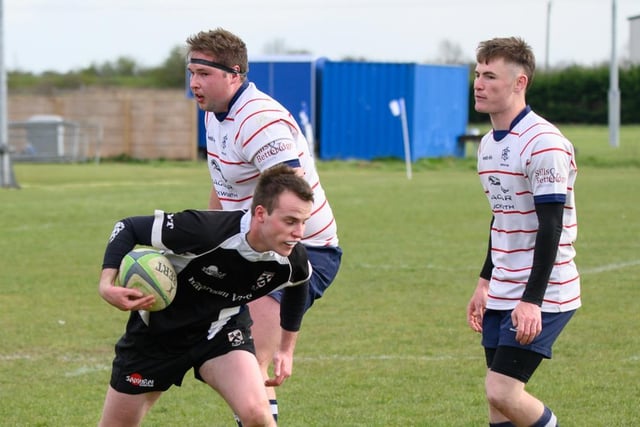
(143, 364)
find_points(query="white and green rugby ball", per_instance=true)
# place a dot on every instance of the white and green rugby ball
(150, 272)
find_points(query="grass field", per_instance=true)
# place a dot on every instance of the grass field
(388, 345)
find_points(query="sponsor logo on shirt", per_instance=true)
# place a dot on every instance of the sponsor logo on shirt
(200, 287)
(494, 180)
(217, 167)
(231, 296)
(272, 149)
(548, 176)
(500, 201)
(213, 271)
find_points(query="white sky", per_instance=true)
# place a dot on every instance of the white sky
(64, 35)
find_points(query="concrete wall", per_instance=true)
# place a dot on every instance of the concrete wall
(140, 123)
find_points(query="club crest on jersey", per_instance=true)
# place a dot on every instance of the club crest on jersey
(235, 338)
(213, 271)
(263, 280)
(505, 154)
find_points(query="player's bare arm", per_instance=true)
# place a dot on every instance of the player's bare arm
(125, 299)
(214, 201)
(283, 359)
(477, 305)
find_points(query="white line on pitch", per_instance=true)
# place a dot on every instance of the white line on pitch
(342, 358)
(609, 267)
(87, 370)
(58, 187)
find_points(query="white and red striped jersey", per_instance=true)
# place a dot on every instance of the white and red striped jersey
(533, 163)
(256, 134)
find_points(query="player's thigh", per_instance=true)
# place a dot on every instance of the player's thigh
(265, 313)
(237, 377)
(121, 409)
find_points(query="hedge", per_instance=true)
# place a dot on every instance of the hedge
(578, 95)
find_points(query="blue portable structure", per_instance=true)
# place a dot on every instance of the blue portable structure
(290, 79)
(356, 122)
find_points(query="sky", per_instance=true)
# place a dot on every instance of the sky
(66, 35)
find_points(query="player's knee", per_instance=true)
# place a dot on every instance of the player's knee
(256, 415)
(498, 400)
(500, 394)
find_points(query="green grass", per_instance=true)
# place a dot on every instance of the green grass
(388, 344)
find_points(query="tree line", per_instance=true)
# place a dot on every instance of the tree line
(123, 72)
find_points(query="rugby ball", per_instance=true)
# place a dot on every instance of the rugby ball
(150, 272)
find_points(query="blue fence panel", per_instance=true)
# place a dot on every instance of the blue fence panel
(355, 119)
(440, 112)
(291, 80)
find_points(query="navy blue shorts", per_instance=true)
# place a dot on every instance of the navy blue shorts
(325, 262)
(497, 330)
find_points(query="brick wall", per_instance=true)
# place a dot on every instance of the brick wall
(140, 123)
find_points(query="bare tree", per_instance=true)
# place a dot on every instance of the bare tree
(275, 47)
(279, 47)
(450, 52)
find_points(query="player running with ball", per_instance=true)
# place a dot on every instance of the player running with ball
(223, 260)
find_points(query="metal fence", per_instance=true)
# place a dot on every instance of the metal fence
(53, 139)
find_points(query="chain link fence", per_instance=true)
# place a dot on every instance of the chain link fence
(49, 138)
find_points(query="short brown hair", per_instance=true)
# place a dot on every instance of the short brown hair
(227, 48)
(275, 181)
(512, 49)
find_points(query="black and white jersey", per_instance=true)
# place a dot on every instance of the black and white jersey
(218, 272)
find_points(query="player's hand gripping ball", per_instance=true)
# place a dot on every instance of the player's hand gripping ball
(150, 272)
